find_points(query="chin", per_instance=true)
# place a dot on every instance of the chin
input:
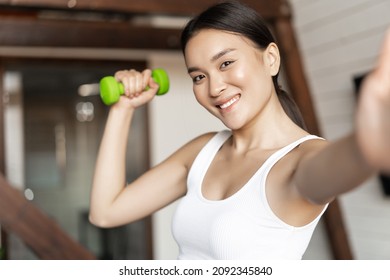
(233, 125)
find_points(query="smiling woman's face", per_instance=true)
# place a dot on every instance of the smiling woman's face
(232, 78)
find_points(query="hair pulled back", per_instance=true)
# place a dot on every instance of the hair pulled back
(237, 18)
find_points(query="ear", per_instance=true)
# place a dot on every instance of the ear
(272, 58)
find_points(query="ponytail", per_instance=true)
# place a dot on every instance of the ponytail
(289, 106)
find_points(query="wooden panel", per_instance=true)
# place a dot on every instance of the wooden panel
(268, 8)
(38, 231)
(26, 31)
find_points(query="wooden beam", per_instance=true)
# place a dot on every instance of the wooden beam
(337, 233)
(295, 75)
(38, 231)
(3, 234)
(23, 27)
(27, 31)
(269, 8)
(2, 121)
(299, 88)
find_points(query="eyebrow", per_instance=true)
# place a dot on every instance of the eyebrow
(213, 59)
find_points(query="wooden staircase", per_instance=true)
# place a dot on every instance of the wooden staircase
(39, 232)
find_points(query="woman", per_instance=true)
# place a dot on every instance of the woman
(258, 189)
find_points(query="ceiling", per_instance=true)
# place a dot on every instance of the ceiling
(147, 24)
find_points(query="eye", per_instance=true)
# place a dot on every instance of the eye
(226, 64)
(197, 78)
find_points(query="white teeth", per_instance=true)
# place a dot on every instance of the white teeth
(230, 102)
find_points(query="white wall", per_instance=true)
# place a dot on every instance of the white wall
(13, 129)
(338, 40)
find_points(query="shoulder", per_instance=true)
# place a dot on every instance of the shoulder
(201, 140)
(304, 148)
(195, 145)
(311, 146)
(188, 152)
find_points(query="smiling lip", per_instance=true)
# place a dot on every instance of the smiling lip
(229, 103)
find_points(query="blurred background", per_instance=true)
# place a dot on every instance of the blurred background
(53, 54)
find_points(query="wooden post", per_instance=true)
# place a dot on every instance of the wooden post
(3, 234)
(295, 76)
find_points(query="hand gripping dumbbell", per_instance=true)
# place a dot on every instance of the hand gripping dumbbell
(111, 89)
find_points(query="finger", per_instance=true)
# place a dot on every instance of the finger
(146, 77)
(153, 85)
(130, 80)
(383, 63)
(122, 77)
(140, 83)
(150, 85)
(135, 83)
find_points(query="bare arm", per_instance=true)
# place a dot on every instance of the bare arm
(112, 202)
(329, 170)
(109, 177)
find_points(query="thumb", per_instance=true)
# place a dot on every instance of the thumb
(383, 62)
(153, 84)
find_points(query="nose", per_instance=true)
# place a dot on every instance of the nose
(217, 85)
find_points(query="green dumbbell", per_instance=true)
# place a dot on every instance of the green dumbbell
(111, 89)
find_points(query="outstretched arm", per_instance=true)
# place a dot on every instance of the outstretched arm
(373, 114)
(329, 170)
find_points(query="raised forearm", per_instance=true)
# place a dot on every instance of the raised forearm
(335, 169)
(109, 177)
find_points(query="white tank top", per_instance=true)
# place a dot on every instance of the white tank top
(241, 226)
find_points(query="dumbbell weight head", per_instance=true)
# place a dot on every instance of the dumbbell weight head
(160, 76)
(111, 89)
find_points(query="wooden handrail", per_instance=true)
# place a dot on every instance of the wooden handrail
(40, 233)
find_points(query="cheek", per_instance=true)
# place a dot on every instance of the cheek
(247, 74)
(239, 75)
(199, 94)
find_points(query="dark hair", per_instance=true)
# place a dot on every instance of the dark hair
(235, 17)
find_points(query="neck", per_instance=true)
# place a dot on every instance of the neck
(270, 130)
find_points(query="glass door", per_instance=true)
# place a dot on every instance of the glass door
(59, 122)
